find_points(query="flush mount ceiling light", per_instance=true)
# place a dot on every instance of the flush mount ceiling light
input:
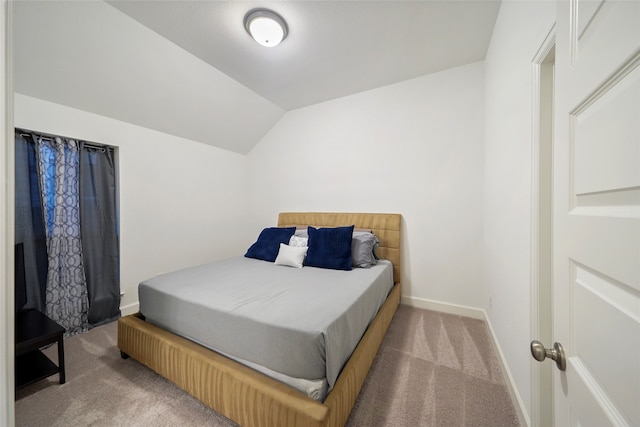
(265, 26)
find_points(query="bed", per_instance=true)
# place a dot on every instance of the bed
(249, 397)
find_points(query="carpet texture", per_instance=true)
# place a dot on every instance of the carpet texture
(433, 369)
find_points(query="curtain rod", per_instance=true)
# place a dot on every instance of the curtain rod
(50, 137)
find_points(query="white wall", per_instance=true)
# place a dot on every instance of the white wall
(520, 29)
(181, 202)
(413, 148)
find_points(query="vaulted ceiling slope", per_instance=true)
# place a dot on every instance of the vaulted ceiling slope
(192, 70)
(90, 56)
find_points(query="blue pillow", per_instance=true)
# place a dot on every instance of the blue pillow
(268, 244)
(329, 248)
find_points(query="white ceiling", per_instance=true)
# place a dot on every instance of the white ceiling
(189, 68)
(334, 48)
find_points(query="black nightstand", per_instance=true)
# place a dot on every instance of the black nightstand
(33, 331)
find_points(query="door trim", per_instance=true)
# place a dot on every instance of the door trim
(7, 214)
(541, 308)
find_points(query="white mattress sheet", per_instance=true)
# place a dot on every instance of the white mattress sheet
(301, 323)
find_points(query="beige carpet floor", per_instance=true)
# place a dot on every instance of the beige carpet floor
(433, 369)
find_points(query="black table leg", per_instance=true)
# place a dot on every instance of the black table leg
(61, 359)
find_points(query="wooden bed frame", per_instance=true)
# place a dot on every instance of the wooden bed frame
(247, 396)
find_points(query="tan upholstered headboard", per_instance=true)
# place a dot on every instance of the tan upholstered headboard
(385, 226)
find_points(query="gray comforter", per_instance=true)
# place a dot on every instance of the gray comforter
(304, 323)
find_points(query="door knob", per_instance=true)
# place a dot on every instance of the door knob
(556, 353)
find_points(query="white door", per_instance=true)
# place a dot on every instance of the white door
(597, 213)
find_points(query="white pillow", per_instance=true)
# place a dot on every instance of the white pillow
(291, 256)
(298, 241)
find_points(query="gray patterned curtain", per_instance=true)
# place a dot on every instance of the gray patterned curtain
(66, 290)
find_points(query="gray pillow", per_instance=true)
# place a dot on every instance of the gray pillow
(363, 245)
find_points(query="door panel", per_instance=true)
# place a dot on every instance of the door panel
(606, 134)
(586, 12)
(602, 316)
(593, 54)
(607, 244)
(597, 213)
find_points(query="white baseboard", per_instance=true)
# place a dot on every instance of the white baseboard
(481, 314)
(128, 309)
(459, 310)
